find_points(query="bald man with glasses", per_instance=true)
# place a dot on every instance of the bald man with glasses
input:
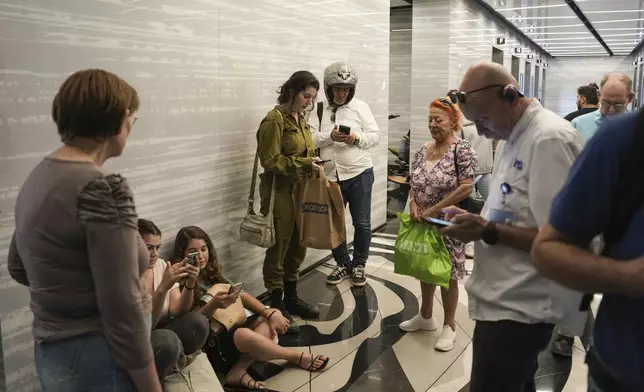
(616, 94)
(515, 308)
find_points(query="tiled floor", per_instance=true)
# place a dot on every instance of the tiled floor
(358, 330)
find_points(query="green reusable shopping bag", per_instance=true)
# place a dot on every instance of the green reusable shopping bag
(420, 252)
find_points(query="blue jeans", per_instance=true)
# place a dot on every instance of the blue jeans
(356, 192)
(80, 364)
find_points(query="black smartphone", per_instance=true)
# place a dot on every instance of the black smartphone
(438, 222)
(344, 129)
(323, 161)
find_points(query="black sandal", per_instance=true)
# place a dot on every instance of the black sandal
(242, 388)
(312, 367)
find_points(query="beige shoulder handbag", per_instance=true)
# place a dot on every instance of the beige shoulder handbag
(256, 228)
(232, 316)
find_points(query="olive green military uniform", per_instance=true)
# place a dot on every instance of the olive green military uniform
(285, 150)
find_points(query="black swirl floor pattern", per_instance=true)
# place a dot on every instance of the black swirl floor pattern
(358, 330)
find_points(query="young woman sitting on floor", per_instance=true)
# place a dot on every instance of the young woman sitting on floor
(236, 348)
(176, 331)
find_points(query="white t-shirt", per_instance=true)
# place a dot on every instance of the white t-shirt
(157, 272)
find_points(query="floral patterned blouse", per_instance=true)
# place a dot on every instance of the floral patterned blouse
(432, 182)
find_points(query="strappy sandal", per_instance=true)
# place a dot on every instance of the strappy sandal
(251, 385)
(312, 367)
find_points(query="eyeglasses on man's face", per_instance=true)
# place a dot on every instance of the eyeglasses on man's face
(616, 106)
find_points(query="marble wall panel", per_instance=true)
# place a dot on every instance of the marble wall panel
(207, 72)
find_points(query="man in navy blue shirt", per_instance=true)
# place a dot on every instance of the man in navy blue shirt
(580, 212)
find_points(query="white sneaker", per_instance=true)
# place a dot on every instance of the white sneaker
(418, 323)
(446, 340)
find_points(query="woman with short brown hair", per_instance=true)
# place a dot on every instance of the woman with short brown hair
(77, 248)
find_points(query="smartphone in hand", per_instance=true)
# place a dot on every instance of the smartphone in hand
(438, 222)
(193, 258)
(344, 129)
(235, 288)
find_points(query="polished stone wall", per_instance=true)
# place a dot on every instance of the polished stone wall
(400, 73)
(207, 72)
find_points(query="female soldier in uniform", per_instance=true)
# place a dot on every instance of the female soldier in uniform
(286, 150)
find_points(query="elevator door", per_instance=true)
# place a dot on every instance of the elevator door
(497, 56)
(516, 63)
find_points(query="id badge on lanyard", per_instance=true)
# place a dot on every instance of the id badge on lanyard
(502, 214)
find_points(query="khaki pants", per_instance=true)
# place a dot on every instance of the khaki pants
(283, 260)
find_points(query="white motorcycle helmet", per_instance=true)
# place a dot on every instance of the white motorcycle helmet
(340, 74)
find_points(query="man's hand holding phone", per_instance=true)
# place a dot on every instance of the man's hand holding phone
(338, 136)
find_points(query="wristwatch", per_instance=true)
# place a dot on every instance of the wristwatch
(357, 141)
(490, 234)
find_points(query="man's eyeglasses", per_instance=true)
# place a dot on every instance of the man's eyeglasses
(619, 107)
(460, 97)
(134, 118)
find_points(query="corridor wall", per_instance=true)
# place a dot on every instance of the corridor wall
(448, 37)
(566, 74)
(207, 72)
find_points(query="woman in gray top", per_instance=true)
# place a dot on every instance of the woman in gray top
(77, 248)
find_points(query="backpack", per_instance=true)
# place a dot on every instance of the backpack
(628, 195)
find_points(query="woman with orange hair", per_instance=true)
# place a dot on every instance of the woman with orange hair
(442, 173)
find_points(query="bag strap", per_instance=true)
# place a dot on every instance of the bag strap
(320, 114)
(458, 176)
(251, 198)
(253, 182)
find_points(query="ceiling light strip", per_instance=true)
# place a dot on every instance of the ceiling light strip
(504, 21)
(575, 8)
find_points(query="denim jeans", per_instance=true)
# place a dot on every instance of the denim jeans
(80, 364)
(356, 192)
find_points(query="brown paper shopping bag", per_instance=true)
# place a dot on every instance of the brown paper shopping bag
(319, 212)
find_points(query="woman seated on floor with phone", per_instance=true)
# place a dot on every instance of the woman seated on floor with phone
(176, 331)
(233, 346)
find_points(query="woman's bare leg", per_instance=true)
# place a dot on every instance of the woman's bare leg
(450, 302)
(427, 306)
(258, 344)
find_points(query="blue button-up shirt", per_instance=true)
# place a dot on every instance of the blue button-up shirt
(588, 123)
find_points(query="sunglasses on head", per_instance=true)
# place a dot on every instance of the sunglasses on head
(460, 97)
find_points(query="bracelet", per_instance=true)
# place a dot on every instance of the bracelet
(271, 315)
(190, 288)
